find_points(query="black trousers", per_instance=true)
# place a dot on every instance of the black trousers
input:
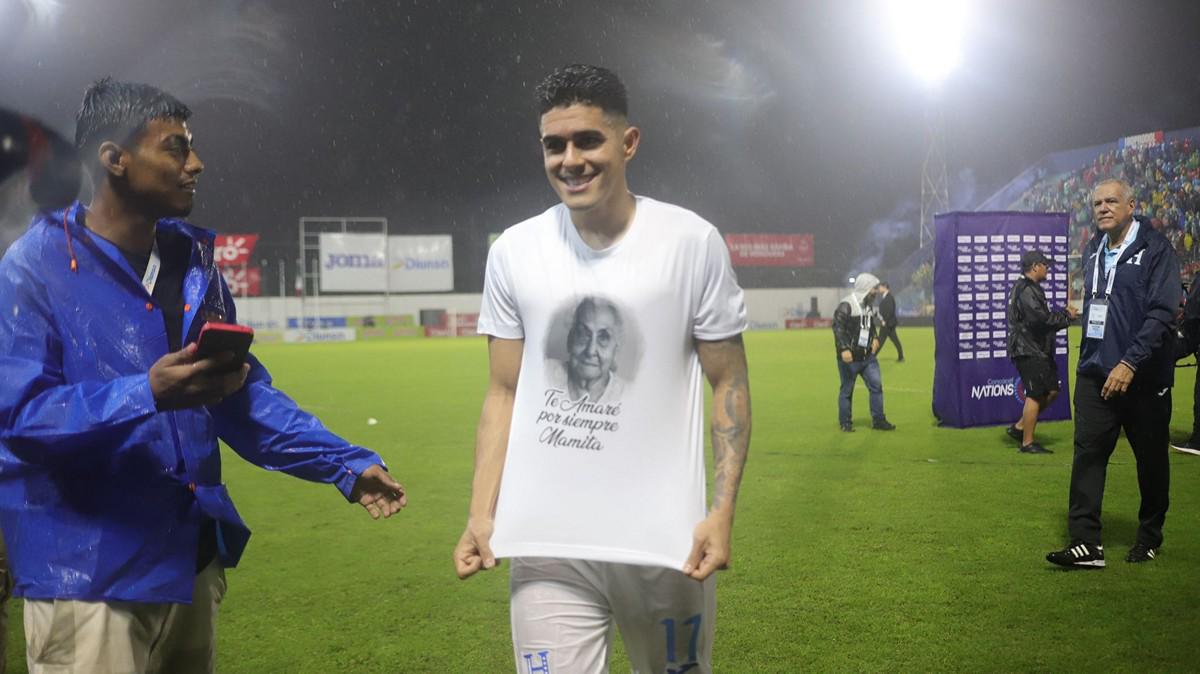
(1196, 409)
(1145, 414)
(889, 331)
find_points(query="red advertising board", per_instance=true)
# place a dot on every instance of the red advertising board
(243, 281)
(233, 250)
(770, 250)
(798, 323)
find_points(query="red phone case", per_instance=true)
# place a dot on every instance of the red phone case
(217, 337)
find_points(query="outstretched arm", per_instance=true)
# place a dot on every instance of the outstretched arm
(474, 551)
(724, 363)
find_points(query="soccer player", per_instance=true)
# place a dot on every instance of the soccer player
(118, 526)
(600, 503)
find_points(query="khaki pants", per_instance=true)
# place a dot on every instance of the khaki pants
(82, 637)
(5, 593)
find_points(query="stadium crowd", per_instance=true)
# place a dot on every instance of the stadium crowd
(1166, 182)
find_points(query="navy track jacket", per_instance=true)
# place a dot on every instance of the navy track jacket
(1140, 327)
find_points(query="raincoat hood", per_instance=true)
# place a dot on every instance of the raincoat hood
(857, 299)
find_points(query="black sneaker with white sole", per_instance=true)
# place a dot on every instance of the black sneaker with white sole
(1187, 447)
(1078, 555)
(1141, 553)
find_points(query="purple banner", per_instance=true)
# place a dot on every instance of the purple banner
(977, 258)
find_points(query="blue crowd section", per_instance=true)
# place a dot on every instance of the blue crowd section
(1164, 174)
(1163, 169)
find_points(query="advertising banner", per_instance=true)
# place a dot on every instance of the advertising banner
(770, 250)
(420, 263)
(977, 259)
(243, 281)
(230, 250)
(1141, 140)
(311, 335)
(353, 263)
(800, 323)
(401, 264)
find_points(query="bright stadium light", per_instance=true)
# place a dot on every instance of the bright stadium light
(43, 12)
(929, 35)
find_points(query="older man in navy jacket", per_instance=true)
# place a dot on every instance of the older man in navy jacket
(111, 502)
(1125, 374)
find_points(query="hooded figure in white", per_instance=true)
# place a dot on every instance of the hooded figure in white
(856, 338)
(859, 298)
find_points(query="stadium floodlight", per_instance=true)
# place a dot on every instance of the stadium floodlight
(929, 35)
(43, 12)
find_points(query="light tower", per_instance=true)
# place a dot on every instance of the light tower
(935, 188)
(929, 36)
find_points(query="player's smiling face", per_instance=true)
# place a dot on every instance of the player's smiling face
(585, 151)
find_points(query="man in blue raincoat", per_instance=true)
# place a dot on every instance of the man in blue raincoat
(117, 524)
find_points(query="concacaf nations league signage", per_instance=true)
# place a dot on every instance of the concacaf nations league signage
(977, 260)
(399, 264)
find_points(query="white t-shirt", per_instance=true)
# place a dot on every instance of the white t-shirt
(606, 449)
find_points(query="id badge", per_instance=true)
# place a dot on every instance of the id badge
(864, 337)
(1097, 316)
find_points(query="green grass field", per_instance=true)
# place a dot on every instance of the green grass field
(916, 550)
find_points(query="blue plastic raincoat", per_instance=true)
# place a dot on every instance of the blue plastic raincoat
(101, 495)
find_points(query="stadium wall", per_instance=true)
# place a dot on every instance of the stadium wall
(766, 309)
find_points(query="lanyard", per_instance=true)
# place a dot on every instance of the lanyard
(150, 278)
(1111, 274)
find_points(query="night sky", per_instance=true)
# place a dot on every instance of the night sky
(761, 116)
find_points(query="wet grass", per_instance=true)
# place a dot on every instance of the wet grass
(917, 550)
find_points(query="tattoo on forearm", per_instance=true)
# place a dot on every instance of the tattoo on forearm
(730, 430)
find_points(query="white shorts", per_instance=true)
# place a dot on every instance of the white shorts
(564, 611)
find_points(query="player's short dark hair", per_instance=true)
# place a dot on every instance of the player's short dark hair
(581, 83)
(119, 111)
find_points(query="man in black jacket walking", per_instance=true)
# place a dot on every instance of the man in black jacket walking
(1126, 369)
(888, 319)
(1031, 328)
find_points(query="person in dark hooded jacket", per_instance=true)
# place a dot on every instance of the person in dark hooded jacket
(1031, 328)
(856, 338)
